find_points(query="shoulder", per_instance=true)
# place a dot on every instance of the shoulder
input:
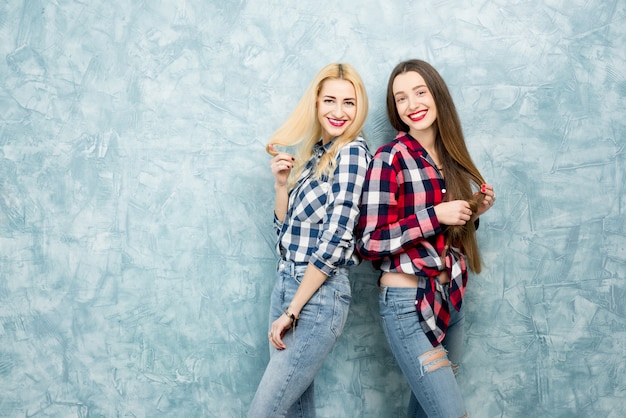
(357, 148)
(359, 143)
(391, 151)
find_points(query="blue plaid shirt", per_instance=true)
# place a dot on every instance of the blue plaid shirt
(322, 213)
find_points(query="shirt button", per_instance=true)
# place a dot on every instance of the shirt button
(282, 266)
(443, 190)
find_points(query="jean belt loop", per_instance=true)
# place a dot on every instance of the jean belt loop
(292, 268)
(383, 293)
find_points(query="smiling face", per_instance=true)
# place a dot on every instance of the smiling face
(415, 104)
(336, 107)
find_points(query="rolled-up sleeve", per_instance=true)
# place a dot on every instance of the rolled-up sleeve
(278, 225)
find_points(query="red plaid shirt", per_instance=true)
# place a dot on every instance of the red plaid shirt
(399, 231)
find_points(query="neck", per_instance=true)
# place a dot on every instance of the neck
(427, 140)
(326, 139)
(425, 137)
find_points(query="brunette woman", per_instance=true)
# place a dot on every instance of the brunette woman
(419, 212)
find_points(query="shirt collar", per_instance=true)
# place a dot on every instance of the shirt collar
(410, 142)
(320, 148)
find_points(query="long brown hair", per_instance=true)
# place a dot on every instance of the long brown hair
(303, 127)
(460, 171)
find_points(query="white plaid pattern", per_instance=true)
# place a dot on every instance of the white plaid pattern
(322, 213)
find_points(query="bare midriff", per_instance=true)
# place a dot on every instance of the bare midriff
(393, 279)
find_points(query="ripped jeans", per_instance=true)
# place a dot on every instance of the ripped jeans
(429, 370)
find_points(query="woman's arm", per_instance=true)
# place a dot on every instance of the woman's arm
(281, 165)
(312, 280)
(342, 212)
(381, 232)
(281, 202)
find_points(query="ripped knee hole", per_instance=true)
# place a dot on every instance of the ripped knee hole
(435, 359)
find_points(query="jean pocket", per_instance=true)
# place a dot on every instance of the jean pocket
(341, 305)
(405, 308)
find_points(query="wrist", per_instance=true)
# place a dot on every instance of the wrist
(290, 310)
(292, 316)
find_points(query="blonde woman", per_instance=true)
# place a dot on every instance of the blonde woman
(315, 213)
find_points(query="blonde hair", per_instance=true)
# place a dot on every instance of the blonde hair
(302, 128)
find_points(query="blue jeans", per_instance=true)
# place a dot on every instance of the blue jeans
(287, 388)
(429, 370)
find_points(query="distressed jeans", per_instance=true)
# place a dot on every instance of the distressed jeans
(287, 386)
(429, 370)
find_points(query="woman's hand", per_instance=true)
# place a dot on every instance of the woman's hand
(281, 165)
(455, 212)
(277, 330)
(490, 198)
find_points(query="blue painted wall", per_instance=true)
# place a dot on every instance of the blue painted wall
(136, 256)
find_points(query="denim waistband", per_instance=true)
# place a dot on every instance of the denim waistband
(293, 266)
(290, 266)
(406, 292)
(402, 292)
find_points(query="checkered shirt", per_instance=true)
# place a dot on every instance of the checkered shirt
(398, 229)
(322, 213)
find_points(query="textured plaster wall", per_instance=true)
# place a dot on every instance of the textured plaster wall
(136, 251)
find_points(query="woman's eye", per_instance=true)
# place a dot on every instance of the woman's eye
(350, 103)
(400, 99)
